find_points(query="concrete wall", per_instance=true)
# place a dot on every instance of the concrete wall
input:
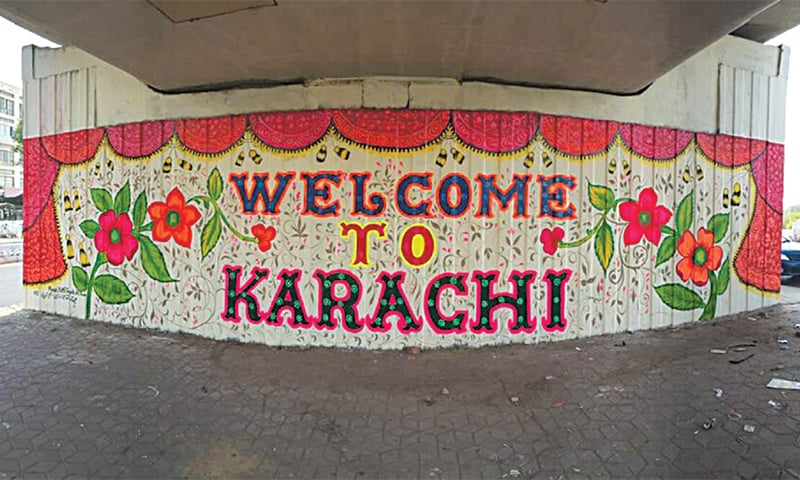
(582, 213)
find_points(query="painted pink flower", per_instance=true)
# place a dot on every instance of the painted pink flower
(645, 218)
(114, 237)
(550, 239)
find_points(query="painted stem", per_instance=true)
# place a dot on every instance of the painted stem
(90, 284)
(593, 231)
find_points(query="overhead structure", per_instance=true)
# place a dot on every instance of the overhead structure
(602, 45)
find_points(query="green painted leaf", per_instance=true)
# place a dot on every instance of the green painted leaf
(666, 250)
(215, 184)
(724, 277)
(122, 202)
(719, 225)
(89, 228)
(210, 235)
(153, 261)
(80, 279)
(667, 229)
(604, 245)
(711, 307)
(111, 289)
(102, 199)
(678, 297)
(684, 215)
(140, 209)
(601, 198)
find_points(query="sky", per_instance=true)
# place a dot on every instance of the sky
(13, 38)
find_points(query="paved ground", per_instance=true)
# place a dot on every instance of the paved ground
(10, 287)
(790, 290)
(93, 400)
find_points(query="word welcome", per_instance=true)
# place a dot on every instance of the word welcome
(451, 196)
(339, 294)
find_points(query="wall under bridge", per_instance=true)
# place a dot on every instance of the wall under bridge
(383, 213)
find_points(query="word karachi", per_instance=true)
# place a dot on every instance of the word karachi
(338, 292)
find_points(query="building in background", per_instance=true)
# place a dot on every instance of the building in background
(10, 112)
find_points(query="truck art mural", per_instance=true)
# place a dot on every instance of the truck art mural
(388, 228)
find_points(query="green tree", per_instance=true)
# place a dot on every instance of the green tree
(18, 137)
(790, 215)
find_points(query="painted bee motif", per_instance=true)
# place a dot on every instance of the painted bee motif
(76, 199)
(457, 156)
(110, 164)
(528, 162)
(82, 257)
(726, 197)
(67, 202)
(322, 154)
(255, 157)
(96, 169)
(736, 198)
(167, 167)
(184, 164)
(626, 167)
(441, 159)
(547, 160)
(70, 248)
(240, 159)
(612, 166)
(343, 153)
(687, 174)
(699, 175)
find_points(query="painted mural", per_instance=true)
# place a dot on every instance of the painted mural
(389, 228)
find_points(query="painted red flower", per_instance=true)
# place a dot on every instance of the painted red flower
(265, 235)
(700, 256)
(550, 239)
(114, 237)
(645, 218)
(173, 219)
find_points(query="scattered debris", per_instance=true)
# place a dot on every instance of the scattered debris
(620, 344)
(783, 341)
(411, 350)
(429, 401)
(797, 334)
(718, 392)
(734, 416)
(739, 349)
(752, 319)
(154, 389)
(775, 405)
(743, 345)
(558, 405)
(781, 384)
(445, 391)
(797, 326)
(718, 351)
(743, 359)
(514, 473)
(514, 400)
(709, 423)
(750, 428)
(578, 349)
(549, 377)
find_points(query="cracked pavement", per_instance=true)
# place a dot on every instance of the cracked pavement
(83, 399)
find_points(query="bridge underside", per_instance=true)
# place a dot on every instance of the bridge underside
(600, 45)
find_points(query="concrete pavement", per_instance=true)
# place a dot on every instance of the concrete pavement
(93, 400)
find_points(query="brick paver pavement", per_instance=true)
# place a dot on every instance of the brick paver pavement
(94, 400)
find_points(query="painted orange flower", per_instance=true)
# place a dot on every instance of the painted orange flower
(265, 235)
(700, 256)
(173, 219)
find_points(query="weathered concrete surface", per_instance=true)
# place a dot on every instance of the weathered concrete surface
(97, 400)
